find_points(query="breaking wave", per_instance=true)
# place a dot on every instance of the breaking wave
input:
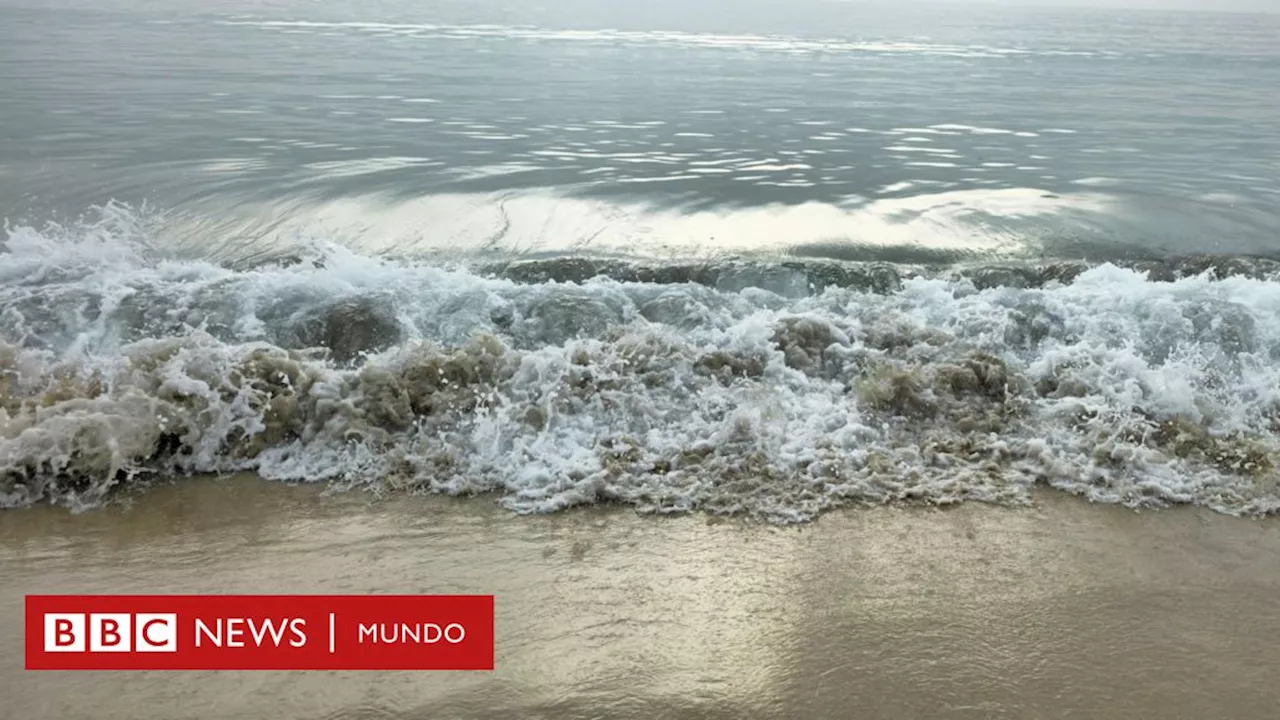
(776, 389)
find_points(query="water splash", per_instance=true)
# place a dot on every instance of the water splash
(775, 390)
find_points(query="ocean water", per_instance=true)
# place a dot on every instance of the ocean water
(761, 258)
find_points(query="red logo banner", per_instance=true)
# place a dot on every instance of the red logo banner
(259, 632)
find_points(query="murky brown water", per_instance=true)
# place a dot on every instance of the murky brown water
(1068, 610)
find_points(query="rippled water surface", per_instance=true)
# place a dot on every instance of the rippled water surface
(825, 128)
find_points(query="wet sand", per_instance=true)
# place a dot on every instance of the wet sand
(1064, 610)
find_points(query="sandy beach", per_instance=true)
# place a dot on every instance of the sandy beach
(1064, 610)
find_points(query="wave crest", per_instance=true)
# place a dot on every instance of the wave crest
(778, 390)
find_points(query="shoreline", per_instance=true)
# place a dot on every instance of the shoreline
(139, 492)
(1065, 608)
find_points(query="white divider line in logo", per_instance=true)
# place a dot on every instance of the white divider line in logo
(330, 633)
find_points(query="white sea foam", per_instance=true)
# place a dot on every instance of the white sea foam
(753, 390)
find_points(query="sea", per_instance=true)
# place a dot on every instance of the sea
(749, 258)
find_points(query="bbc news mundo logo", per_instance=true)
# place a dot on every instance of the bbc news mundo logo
(259, 632)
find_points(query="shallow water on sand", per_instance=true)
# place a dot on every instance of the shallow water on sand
(1062, 610)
